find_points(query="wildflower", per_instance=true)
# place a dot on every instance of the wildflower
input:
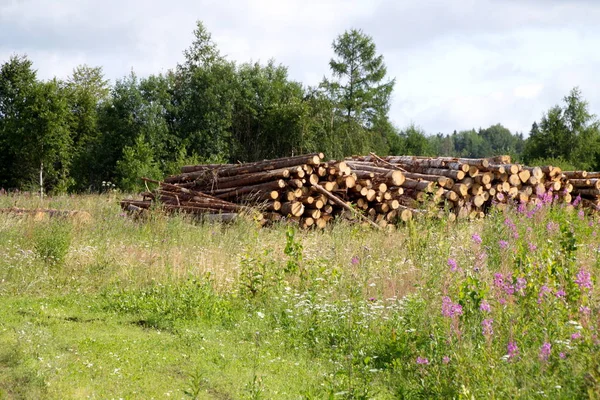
(543, 290)
(512, 350)
(422, 361)
(576, 335)
(584, 279)
(452, 264)
(584, 310)
(355, 260)
(581, 215)
(522, 208)
(487, 329)
(545, 351)
(502, 301)
(503, 244)
(508, 222)
(371, 298)
(485, 306)
(562, 355)
(551, 226)
(446, 359)
(532, 247)
(560, 294)
(577, 201)
(260, 314)
(476, 238)
(450, 309)
(498, 280)
(521, 284)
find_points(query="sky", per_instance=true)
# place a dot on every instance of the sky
(458, 64)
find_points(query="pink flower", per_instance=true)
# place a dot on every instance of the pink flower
(487, 329)
(452, 264)
(446, 359)
(584, 310)
(584, 279)
(576, 335)
(562, 355)
(476, 238)
(355, 260)
(422, 361)
(485, 306)
(560, 294)
(512, 350)
(503, 244)
(450, 309)
(543, 290)
(545, 351)
(532, 247)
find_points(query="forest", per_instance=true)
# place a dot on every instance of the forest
(84, 133)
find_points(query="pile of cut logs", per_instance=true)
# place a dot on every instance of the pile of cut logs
(373, 190)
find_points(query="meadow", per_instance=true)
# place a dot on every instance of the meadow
(114, 307)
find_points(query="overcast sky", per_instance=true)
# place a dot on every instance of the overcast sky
(458, 64)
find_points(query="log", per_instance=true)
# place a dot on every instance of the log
(340, 203)
(259, 166)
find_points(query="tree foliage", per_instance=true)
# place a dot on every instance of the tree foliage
(86, 130)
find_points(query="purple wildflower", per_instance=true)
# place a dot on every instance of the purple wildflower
(545, 351)
(503, 244)
(372, 299)
(560, 294)
(502, 301)
(577, 201)
(581, 215)
(450, 309)
(551, 226)
(532, 247)
(452, 264)
(508, 222)
(498, 280)
(584, 310)
(446, 359)
(487, 328)
(576, 335)
(355, 260)
(512, 350)
(485, 306)
(422, 361)
(521, 285)
(476, 238)
(562, 355)
(543, 290)
(584, 279)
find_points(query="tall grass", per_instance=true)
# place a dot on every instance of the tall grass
(505, 307)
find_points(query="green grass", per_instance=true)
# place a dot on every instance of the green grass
(114, 307)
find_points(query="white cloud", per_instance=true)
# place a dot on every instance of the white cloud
(458, 64)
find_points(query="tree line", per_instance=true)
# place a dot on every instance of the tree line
(83, 132)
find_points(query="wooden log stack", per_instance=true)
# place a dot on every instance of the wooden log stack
(367, 189)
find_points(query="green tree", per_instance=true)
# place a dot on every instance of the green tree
(138, 161)
(268, 114)
(86, 91)
(358, 85)
(569, 132)
(17, 85)
(360, 92)
(34, 128)
(203, 98)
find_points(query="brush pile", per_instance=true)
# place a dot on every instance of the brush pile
(370, 189)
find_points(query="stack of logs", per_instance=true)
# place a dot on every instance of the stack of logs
(374, 190)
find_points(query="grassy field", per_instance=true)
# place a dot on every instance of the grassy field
(111, 307)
